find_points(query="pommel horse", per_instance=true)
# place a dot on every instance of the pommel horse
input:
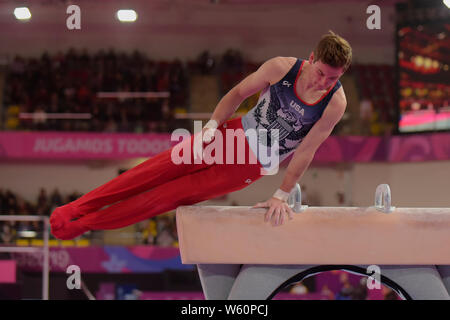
(241, 257)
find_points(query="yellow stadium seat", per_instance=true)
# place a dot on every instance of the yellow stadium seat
(53, 243)
(37, 242)
(23, 242)
(67, 243)
(83, 243)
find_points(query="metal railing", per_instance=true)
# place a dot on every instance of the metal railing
(45, 248)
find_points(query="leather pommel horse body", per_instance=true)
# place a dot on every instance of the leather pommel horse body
(318, 235)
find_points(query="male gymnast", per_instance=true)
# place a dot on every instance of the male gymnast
(300, 100)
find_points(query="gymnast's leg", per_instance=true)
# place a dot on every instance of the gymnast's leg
(195, 187)
(156, 186)
(153, 172)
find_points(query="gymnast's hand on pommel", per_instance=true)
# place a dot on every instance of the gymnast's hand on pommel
(278, 211)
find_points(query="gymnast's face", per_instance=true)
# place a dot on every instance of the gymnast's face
(322, 76)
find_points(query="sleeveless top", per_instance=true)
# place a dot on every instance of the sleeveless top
(279, 107)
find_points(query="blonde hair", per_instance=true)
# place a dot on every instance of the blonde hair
(334, 51)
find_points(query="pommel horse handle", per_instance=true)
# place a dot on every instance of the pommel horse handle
(295, 199)
(316, 235)
(383, 198)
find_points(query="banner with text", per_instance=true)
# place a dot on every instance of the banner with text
(27, 145)
(62, 146)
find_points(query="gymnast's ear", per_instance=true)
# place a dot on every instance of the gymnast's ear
(311, 58)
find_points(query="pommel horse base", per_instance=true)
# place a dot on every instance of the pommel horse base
(239, 256)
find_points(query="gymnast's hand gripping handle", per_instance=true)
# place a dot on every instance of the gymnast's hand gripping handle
(294, 198)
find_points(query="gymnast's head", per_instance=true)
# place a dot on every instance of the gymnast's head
(329, 60)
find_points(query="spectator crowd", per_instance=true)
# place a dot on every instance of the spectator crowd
(70, 83)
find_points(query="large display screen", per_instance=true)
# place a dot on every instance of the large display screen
(424, 77)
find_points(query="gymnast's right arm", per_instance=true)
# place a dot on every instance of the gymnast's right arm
(268, 73)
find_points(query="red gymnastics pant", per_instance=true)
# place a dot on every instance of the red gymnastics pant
(154, 187)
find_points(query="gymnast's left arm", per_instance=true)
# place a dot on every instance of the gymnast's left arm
(303, 155)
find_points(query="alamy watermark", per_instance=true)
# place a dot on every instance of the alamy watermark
(374, 20)
(74, 20)
(374, 280)
(74, 280)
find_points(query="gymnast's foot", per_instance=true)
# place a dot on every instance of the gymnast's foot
(70, 230)
(62, 225)
(62, 215)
